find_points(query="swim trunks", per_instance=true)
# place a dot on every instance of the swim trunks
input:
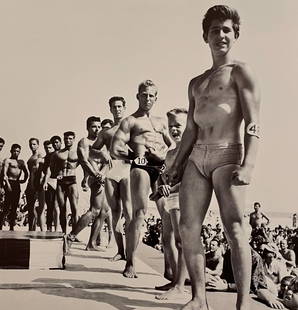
(208, 157)
(172, 202)
(52, 182)
(152, 167)
(66, 181)
(119, 171)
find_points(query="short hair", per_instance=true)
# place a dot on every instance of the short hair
(15, 146)
(107, 121)
(116, 98)
(55, 138)
(2, 140)
(92, 119)
(46, 143)
(257, 204)
(146, 83)
(176, 111)
(221, 12)
(69, 133)
(34, 139)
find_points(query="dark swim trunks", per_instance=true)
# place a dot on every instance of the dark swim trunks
(66, 181)
(153, 167)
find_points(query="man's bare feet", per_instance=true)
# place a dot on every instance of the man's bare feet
(195, 305)
(129, 272)
(165, 287)
(117, 257)
(91, 247)
(173, 293)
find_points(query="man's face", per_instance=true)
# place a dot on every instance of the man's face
(15, 152)
(283, 244)
(68, 140)
(1, 146)
(177, 125)
(257, 207)
(94, 129)
(49, 148)
(33, 145)
(269, 257)
(117, 109)
(147, 97)
(57, 144)
(221, 36)
(106, 126)
(213, 246)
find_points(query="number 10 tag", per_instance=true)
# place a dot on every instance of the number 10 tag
(141, 161)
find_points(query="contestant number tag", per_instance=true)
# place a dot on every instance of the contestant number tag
(141, 161)
(253, 129)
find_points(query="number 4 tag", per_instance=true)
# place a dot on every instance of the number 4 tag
(141, 161)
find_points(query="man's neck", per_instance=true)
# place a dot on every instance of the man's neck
(221, 60)
(91, 137)
(117, 121)
(141, 112)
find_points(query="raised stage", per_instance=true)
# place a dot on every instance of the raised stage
(31, 250)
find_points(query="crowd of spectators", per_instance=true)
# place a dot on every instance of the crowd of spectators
(274, 278)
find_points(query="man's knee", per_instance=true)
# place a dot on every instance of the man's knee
(178, 244)
(236, 233)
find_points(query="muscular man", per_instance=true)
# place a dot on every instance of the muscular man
(107, 123)
(93, 174)
(147, 136)
(50, 183)
(12, 169)
(117, 186)
(2, 191)
(50, 189)
(256, 218)
(34, 190)
(219, 100)
(66, 161)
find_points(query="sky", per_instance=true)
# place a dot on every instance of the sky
(61, 60)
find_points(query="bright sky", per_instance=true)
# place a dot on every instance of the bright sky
(61, 60)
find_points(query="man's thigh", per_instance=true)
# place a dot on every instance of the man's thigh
(97, 197)
(61, 196)
(73, 194)
(194, 196)
(139, 188)
(112, 192)
(231, 198)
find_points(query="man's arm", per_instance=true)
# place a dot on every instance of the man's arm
(249, 96)
(266, 218)
(188, 138)
(120, 139)
(83, 155)
(24, 169)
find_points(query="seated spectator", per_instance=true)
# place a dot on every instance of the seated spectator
(287, 255)
(274, 268)
(214, 260)
(290, 299)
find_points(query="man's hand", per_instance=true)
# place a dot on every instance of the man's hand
(164, 190)
(241, 176)
(45, 186)
(218, 284)
(8, 186)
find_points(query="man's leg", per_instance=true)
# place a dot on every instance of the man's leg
(73, 197)
(125, 196)
(231, 200)
(49, 199)
(99, 213)
(168, 243)
(61, 199)
(15, 198)
(194, 199)
(32, 215)
(177, 288)
(7, 204)
(41, 209)
(112, 191)
(140, 187)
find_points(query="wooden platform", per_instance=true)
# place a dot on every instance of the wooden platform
(31, 250)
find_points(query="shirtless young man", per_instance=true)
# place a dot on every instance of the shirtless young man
(256, 218)
(147, 136)
(50, 184)
(2, 142)
(50, 189)
(117, 185)
(66, 162)
(93, 175)
(219, 100)
(34, 190)
(176, 123)
(12, 169)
